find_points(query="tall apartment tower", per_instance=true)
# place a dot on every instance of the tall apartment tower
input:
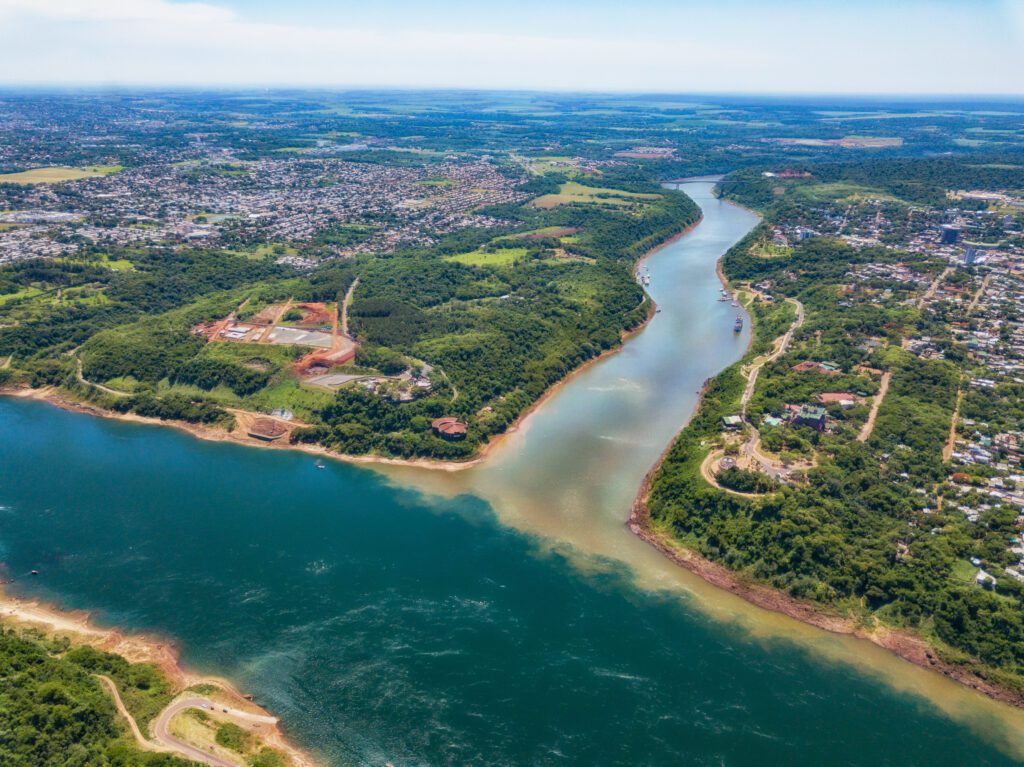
(950, 234)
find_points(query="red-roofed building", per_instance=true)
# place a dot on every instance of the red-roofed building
(449, 428)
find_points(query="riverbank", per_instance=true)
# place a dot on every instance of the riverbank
(62, 399)
(78, 629)
(905, 644)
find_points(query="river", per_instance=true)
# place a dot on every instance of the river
(502, 615)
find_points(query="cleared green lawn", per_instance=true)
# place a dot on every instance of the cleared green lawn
(117, 264)
(500, 257)
(28, 292)
(289, 393)
(964, 571)
(770, 250)
(276, 249)
(57, 174)
(573, 192)
(113, 264)
(838, 191)
(544, 232)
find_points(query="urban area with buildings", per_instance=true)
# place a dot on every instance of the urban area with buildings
(963, 270)
(311, 208)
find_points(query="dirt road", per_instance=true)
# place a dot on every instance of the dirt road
(947, 450)
(780, 348)
(345, 305)
(81, 379)
(869, 425)
(142, 741)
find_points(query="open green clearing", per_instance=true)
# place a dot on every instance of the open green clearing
(839, 191)
(57, 174)
(573, 192)
(27, 292)
(263, 250)
(499, 257)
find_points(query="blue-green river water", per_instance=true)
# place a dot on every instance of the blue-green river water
(501, 615)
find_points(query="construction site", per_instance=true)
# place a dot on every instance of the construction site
(310, 324)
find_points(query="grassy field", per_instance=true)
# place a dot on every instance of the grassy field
(28, 292)
(117, 264)
(542, 165)
(113, 264)
(765, 249)
(500, 257)
(839, 191)
(561, 232)
(964, 572)
(57, 174)
(271, 357)
(276, 249)
(291, 394)
(576, 193)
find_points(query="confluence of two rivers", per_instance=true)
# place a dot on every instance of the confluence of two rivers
(499, 615)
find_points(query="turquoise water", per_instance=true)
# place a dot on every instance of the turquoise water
(502, 616)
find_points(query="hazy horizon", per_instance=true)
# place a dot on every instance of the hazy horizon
(948, 48)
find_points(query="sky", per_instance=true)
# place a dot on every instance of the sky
(971, 47)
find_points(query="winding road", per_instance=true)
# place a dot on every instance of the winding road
(780, 348)
(750, 449)
(165, 742)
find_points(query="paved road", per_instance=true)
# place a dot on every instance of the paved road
(934, 286)
(163, 736)
(750, 449)
(978, 294)
(167, 743)
(161, 728)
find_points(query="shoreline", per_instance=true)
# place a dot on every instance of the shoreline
(78, 627)
(907, 645)
(61, 399)
(904, 644)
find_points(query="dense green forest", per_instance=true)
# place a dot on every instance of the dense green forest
(55, 713)
(499, 315)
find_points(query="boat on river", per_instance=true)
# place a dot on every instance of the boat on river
(738, 325)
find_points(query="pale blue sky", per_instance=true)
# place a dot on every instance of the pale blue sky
(800, 46)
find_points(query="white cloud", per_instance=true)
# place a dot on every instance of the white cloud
(139, 42)
(116, 10)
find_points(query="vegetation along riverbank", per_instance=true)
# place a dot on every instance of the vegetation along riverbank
(106, 697)
(258, 355)
(840, 486)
